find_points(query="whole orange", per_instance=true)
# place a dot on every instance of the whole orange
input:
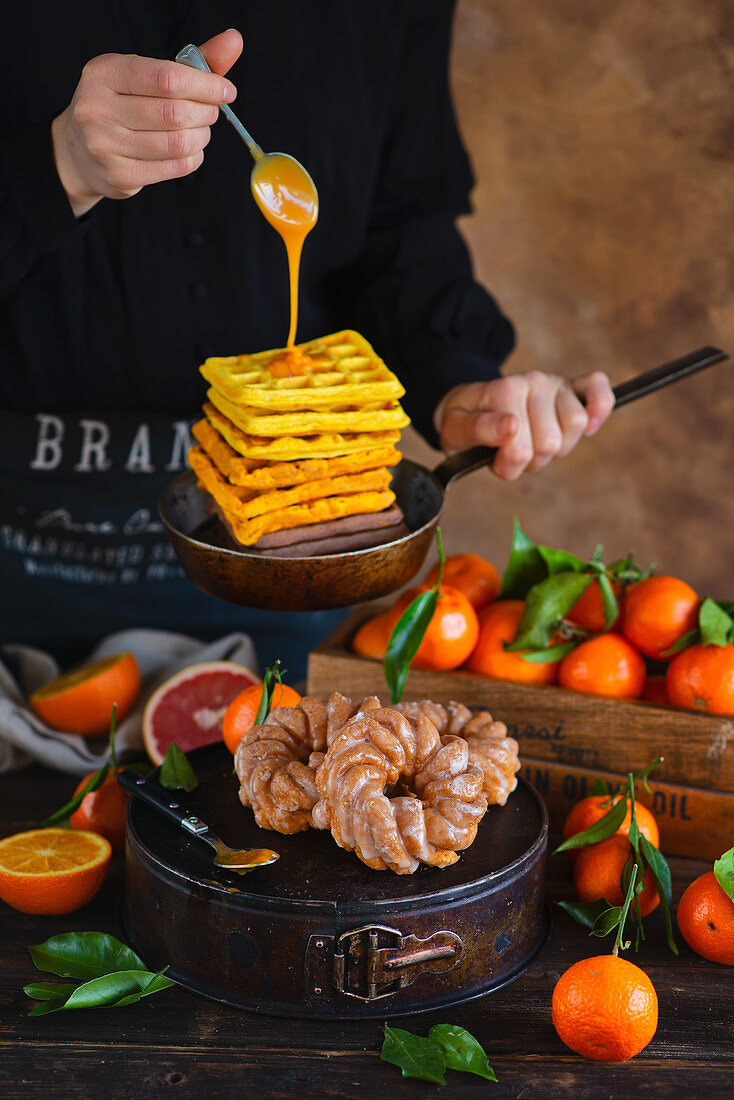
(452, 632)
(605, 1008)
(706, 919)
(81, 701)
(103, 811)
(597, 873)
(588, 611)
(372, 637)
(590, 810)
(604, 665)
(240, 715)
(498, 624)
(702, 678)
(656, 612)
(654, 691)
(476, 577)
(52, 871)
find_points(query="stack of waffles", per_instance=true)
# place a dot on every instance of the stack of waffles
(295, 447)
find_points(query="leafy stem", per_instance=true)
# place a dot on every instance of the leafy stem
(409, 630)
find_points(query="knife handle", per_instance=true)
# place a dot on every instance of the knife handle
(162, 801)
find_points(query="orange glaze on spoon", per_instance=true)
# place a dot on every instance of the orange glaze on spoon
(288, 198)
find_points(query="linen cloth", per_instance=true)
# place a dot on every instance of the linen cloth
(24, 738)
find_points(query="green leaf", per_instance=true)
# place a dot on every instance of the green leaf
(661, 873)
(599, 787)
(724, 872)
(609, 600)
(461, 1050)
(547, 603)
(560, 561)
(605, 827)
(49, 991)
(108, 991)
(63, 814)
(273, 676)
(550, 654)
(607, 921)
(405, 641)
(415, 1055)
(525, 566)
(176, 771)
(83, 955)
(691, 637)
(586, 913)
(716, 626)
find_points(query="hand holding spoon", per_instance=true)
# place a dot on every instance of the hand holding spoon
(231, 859)
(280, 185)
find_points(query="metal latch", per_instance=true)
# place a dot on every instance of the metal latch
(376, 961)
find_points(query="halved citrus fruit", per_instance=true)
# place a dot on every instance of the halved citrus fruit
(189, 707)
(81, 701)
(52, 871)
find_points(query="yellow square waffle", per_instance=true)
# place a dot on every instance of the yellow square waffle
(245, 504)
(259, 476)
(293, 448)
(381, 416)
(334, 372)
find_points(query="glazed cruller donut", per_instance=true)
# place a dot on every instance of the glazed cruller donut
(399, 786)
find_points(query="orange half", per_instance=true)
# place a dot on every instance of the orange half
(81, 701)
(52, 870)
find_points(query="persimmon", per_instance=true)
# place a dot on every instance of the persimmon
(497, 625)
(451, 634)
(604, 665)
(476, 577)
(656, 612)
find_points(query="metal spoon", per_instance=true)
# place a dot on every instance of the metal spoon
(268, 191)
(230, 858)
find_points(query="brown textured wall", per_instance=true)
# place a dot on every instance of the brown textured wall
(602, 137)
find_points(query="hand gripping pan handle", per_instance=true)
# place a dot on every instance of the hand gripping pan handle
(464, 462)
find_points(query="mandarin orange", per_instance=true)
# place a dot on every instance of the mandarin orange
(588, 611)
(476, 577)
(372, 637)
(605, 1008)
(590, 810)
(604, 665)
(451, 634)
(656, 612)
(706, 919)
(702, 678)
(497, 625)
(597, 873)
(103, 811)
(240, 715)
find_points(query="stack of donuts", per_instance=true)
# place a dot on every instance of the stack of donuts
(399, 786)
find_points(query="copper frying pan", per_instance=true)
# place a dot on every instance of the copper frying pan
(338, 580)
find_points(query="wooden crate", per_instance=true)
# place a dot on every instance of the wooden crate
(567, 739)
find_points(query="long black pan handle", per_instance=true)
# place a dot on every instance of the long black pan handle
(464, 462)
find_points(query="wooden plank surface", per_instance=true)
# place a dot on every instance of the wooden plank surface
(179, 1045)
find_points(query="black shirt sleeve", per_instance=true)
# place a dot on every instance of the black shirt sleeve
(35, 214)
(412, 292)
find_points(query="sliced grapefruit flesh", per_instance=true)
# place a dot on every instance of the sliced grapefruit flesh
(189, 707)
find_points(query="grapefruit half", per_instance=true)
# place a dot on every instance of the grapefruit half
(189, 707)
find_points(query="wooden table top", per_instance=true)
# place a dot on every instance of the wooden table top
(180, 1045)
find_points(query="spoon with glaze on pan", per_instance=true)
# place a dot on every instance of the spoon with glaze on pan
(231, 859)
